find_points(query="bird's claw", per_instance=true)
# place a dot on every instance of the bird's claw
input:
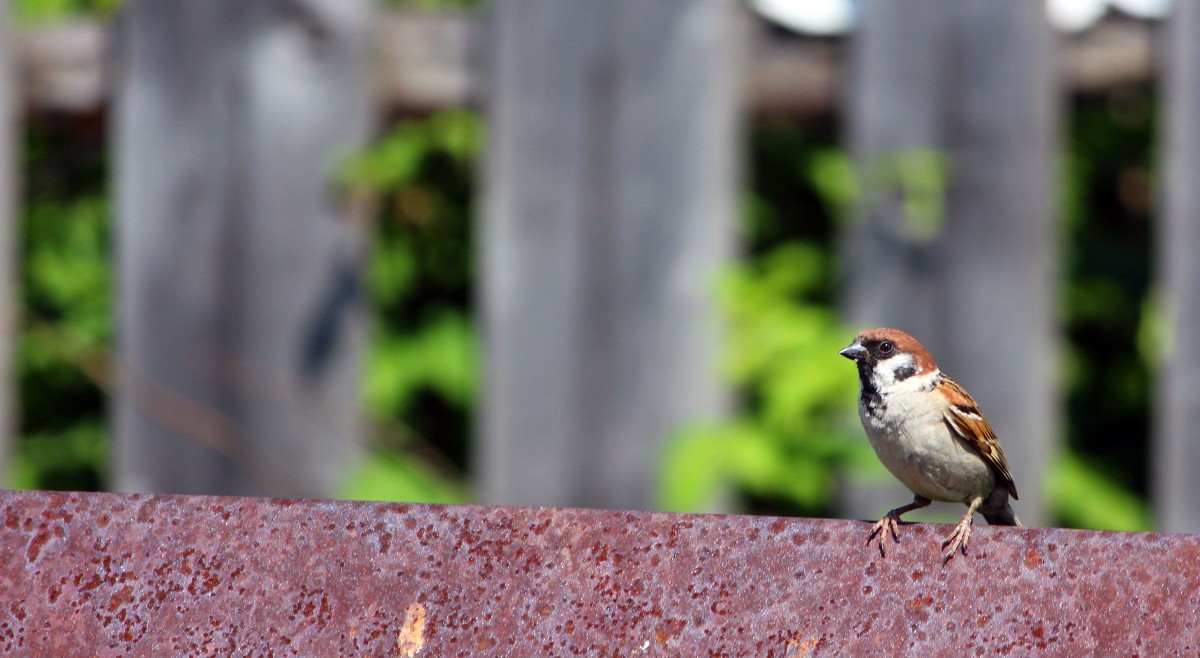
(889, 524)
(957, 541)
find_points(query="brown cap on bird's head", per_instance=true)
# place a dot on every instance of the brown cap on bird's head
(877, 344)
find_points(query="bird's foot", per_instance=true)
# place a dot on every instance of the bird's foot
(888, 525)
(957, 541)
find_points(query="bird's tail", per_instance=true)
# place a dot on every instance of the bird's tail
(1005, 516)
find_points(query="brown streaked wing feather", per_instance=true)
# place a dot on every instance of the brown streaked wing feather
(966, 420)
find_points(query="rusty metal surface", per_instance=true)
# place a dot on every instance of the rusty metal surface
(110, 575)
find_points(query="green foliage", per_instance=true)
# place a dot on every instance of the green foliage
(440, 357)
(917, 177)
(66, 265)
(65, 295)
(42, 11)
(63, 351)
(65, 317)
(798, 428)
(1086, 495)
(836, 179)
(398, 476)
(400, 159)
(1113, 322)
(61, 459)
(421, 375)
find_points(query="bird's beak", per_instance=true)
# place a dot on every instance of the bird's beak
(854, 352)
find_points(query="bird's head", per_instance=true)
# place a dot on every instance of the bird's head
(885, 356)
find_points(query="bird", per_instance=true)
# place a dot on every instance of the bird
(930, 434)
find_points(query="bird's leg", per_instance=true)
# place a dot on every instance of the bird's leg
(958, 539)
(890, 523)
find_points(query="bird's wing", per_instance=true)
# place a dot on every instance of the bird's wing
(966, 420)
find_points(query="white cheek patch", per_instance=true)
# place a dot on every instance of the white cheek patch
(894, 369)
(900, 374)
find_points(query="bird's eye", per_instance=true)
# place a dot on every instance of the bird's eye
(886, 347)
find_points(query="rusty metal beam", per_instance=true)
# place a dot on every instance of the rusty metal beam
(114, 575)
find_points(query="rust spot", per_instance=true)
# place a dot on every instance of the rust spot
(919, 601)
(36, 545)
(411, 639)
(1032, 559)
(146, 513)
(669, 629)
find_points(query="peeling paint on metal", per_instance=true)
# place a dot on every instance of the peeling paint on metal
(113, 575)
(800, 646)
(412, 633)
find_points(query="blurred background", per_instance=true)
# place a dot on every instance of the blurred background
(599, 253)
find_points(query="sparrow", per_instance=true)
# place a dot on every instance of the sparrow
(930, 434)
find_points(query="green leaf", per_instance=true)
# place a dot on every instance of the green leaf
(399, 477)
(440, 356)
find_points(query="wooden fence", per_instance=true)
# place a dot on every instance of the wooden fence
(609, 199)
(240, 316)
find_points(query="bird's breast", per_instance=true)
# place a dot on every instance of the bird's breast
(914, 443)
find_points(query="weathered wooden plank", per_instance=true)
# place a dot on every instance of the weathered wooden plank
(10, 149)
(609, 193)
(953, 124)
(240, 318)
(999, 326)
(1177, 450)
(429, 60)
(109, 575)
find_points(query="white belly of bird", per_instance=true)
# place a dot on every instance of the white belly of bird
(932, 462)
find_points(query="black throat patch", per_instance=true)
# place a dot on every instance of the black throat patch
(869, 396)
